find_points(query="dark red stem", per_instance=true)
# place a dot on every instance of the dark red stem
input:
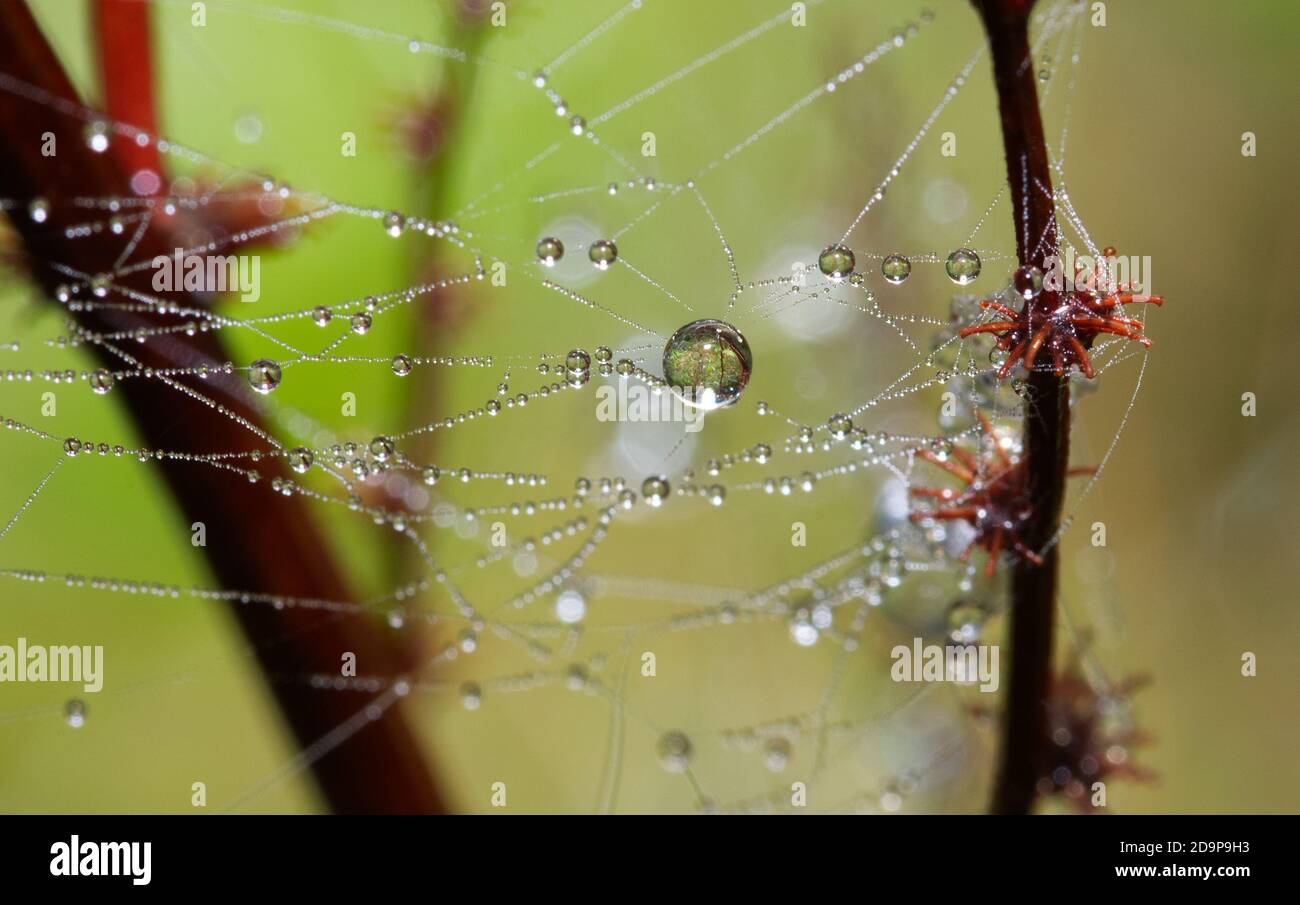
(1047, 414)
(256, 540)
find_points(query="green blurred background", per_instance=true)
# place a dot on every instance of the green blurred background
(1198, 500)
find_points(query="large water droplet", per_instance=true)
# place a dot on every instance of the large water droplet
(708, 363)
(102, 381)
(300, 459)
(896, 268)
(836, 262)
(654, 489)
(550, 250)
(1027, 281)
(674, 750)
(264, 375)
(402, 365)
(963, 266)
(75, 713)
(603, 253)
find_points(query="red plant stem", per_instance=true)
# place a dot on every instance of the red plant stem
(125, 50)
(256, 540)
(1047, 414)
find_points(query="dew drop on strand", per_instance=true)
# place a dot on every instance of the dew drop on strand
(402, 365)
(963, 266)
(1027, 282)
(75, 713)
(654, 489)
(102, 381)
(708, 363)
(896, 269)
(550, 250)
(836, 262)
(264, 375)
(602, 253)
(300, 459)
(674, 750)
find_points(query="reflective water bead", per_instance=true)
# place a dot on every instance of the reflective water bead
(577, 360)
(550, 250)
(708, 362)
(776, 754)
(394, 223)
(402, 365)
(471, 696)
(102, 381)
(72, 446)
(577, 125)
(300, 459)
(321, 315)
(674, 750)
(361, 323)
(1027, 281)
(655, 489)
(839, 425)
(382, 448)
(603, 253)
(896, 268)
(39, 210)
(963, 266)
(836, 262)
(430, 475)
(604, 354)
(264, 375)
(75, 713)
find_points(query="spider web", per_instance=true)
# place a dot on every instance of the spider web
(770, 658)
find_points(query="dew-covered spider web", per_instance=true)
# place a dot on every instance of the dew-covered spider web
(457, 348)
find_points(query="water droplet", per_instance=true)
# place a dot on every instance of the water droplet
(550, 250)
(394, 223)
(836, 262)
(72, 446)
(654, 489)
(264, 375)
(321, 315)
(708, 363)
(75, 713)
(602, 253)
(361, 322)
(539, 80)
(1027, 281)
(577, 361)
(97, 136)
(963, 266)
(300, 459)
(839, 425)
(471, 696)
(39, 210)
(965, 621)
(577, 125)
(896, 268)
(102, 381)
(431, 475)
(570, 607)
(674, 750)
(604, 355)
(776, 754)
(402, 365)
(382, 448)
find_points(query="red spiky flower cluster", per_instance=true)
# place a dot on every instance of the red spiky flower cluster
(995, 501)
(1088, 740)
(1063, 323)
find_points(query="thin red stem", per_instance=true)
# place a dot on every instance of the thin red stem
(1047, 428)
(255, 542)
